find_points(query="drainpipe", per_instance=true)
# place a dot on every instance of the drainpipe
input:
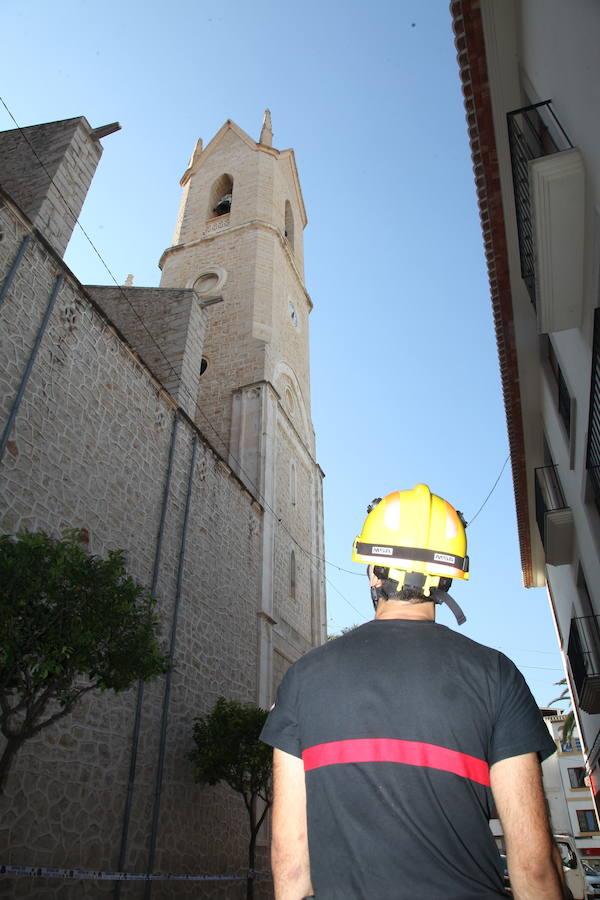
(13, 269)
(30, 363)
(140, 690)
(167, 693)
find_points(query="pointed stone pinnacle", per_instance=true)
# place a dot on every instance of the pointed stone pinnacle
(266, 132)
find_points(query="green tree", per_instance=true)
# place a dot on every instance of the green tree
(70, 623)
(228, 749)
(334, 635)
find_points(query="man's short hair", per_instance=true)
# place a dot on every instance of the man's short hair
(411, 595)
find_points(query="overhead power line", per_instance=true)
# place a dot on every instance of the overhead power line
(495, 484)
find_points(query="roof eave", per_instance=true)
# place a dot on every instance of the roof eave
(470, 45)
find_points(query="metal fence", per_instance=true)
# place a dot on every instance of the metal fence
(533, 131)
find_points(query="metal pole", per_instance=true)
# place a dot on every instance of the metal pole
(29, 367)
(140, 691)
(167, 694)
(13, 269)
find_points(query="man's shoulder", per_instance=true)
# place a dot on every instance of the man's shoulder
(333, 646)
(469, 648)
(464, 641)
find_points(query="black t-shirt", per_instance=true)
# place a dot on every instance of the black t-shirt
(398, 723)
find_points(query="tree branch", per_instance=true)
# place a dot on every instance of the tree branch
(262, 818)
(67, 708)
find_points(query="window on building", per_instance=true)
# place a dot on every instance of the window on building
(289, 224)
(221, 196)
(577, 777)
(293, 483)
(293, 575)
(563, 398)
(587, 820)
(566, 746)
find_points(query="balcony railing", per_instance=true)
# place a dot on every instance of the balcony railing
(593, 448)
(563, 396)
(553, 516)
(533, 132)
(584, 658)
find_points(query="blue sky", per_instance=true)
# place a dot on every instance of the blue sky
(405, 378)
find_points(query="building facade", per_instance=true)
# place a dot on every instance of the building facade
(530, 73)
(566, 788)
(173, 422)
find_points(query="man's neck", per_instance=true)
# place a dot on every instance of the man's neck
(400, 609)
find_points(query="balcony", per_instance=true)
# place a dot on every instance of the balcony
(548, 182)
(584, 658)
(554, 518)
(593, 448)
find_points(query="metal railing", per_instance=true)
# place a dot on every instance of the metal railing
(563, 396)
(533, 131)
(593, 447)
(564, 402)
(583, 651)
(548, 497)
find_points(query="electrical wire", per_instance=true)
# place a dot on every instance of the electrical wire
(495, 484)
(309, 554)
(541, 668)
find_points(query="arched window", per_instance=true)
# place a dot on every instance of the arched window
(293, 482)
(289, 225)
(221, 195)
(293, 575)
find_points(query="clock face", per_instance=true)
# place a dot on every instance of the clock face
(293, 314)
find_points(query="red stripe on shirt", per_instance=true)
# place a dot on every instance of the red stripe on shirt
(410, 753)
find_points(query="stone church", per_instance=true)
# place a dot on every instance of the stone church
(175, 423)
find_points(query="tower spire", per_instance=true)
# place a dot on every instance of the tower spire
(266, 132)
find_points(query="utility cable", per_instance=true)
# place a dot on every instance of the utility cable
(193, 400)
(491, 492)
(541, 668)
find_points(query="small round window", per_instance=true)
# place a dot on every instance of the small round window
(209, 283)
(206, 283)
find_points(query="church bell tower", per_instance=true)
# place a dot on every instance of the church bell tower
(238, 243)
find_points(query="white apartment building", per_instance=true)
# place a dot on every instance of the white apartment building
(567, 790)
(566, 786)
(531, 79)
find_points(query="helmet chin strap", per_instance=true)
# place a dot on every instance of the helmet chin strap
(444, 597)
(389, 588)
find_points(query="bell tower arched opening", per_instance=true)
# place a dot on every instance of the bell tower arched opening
(221, 196)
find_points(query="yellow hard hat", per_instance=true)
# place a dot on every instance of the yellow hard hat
(414, 531)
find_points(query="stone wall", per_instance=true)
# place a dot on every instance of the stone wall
(167, 329)
(89, 449)
(48, 169)
(293, 612)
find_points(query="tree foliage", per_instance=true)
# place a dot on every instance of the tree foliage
(336, 634)
(70, 623)
(568, 726)
(228, 749)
